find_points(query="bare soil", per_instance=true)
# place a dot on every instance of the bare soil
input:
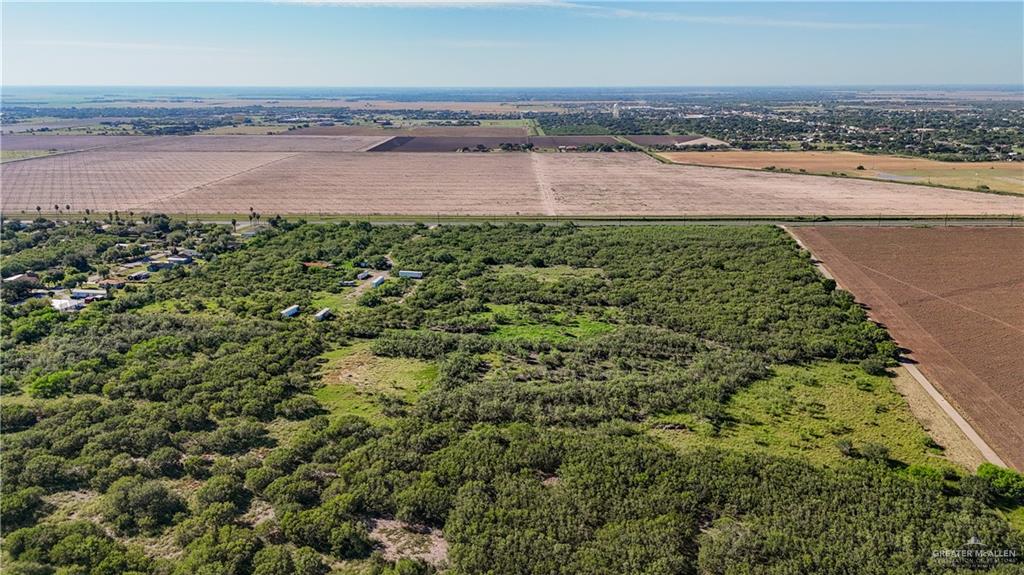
(1002, 176)
(424, 131)
(291, 180)
(953, 298)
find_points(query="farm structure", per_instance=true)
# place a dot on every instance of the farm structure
(953, 298)
(497, 184)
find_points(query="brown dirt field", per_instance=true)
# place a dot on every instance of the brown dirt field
(301, 182)
(429, 131)
(122, 180)
(243, 143)
(1002, 176)
(635, 184)
(63, 143)
(200, 143)
(444, 143)
(380, 183)
(953, 298)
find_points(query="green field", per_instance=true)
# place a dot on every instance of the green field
(356, 382)
(803, 411)
(546, 399)
(10, 155)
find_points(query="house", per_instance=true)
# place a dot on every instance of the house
(290, 311)
(323, 314)
(363, 275)
(179, 260)
(83, 293)
(66, 305)
(410, 274)
(377, 281)
(138, 276)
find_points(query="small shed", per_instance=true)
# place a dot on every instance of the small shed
(377, 281)
(323, 314)
(410, 274)
(82, 293)
(290, 311)
(348, 283)
(66, 305)
(363, 275)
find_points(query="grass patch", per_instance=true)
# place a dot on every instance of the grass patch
(534, 323)
(338, 302)
(803, 411)
(11, 155)
(356, 382)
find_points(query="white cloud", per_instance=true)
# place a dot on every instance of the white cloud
(627, 13)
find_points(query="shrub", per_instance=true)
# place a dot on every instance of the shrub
(134, 504)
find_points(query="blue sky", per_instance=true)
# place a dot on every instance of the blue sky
(512, 43)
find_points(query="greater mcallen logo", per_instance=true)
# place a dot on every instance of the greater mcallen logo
(974, 553)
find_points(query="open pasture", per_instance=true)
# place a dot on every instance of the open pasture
(952, 297)
(1000, 176)
(292, 180)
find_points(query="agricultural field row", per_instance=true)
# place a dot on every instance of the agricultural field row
(137, 177)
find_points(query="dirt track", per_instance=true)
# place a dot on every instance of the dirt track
(953, 298)
(198, 175)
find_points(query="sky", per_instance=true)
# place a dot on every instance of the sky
(509, 43)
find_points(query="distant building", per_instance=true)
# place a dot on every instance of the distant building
(323, 314)
(363, 275)
(160, 265)
(290, 311)
(377, 281)
(180, 260)
(138, 276)
(111, 283)
(82, 293)
(66, 305)
(410, 274)
(348, 283)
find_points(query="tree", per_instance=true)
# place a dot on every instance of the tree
(134, 504)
